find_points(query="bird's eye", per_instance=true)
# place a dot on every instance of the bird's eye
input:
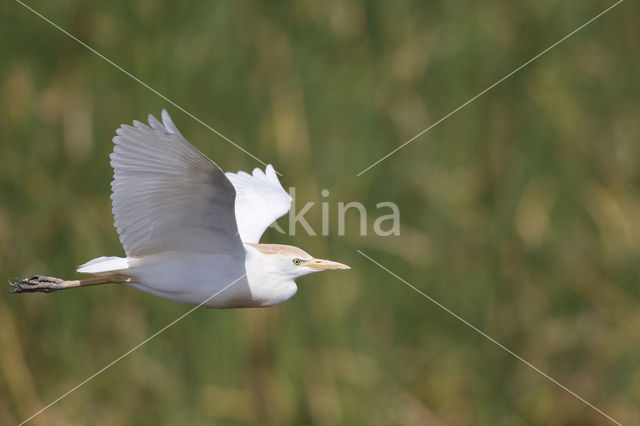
(297, 261)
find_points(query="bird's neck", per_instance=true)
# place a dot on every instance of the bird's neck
(267, 286)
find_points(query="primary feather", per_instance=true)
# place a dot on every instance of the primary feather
(167, 195)
(260, 200)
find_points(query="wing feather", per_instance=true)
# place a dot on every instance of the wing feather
(260, 200)
(167, 195)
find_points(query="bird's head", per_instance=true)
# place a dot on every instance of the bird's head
(293, 262)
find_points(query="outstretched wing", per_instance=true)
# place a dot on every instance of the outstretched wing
(167, 195)
(260, 200)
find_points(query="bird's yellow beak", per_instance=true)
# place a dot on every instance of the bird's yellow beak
(322, 264)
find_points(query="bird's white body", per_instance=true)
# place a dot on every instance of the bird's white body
(191, 232)
(214, 281)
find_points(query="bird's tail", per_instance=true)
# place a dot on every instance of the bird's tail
(104, 265)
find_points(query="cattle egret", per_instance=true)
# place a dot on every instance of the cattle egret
(190, 231)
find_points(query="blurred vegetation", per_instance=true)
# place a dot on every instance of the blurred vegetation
(520, 212)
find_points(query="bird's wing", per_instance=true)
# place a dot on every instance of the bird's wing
(167, 195)
(260, 200)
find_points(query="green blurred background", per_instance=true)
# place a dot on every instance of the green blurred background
(520, 212)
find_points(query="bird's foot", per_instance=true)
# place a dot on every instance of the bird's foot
(36, 283)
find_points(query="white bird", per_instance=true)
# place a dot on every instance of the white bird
(191, 232)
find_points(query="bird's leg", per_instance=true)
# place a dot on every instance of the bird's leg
(48, 284)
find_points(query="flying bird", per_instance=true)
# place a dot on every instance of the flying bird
(191, 232)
